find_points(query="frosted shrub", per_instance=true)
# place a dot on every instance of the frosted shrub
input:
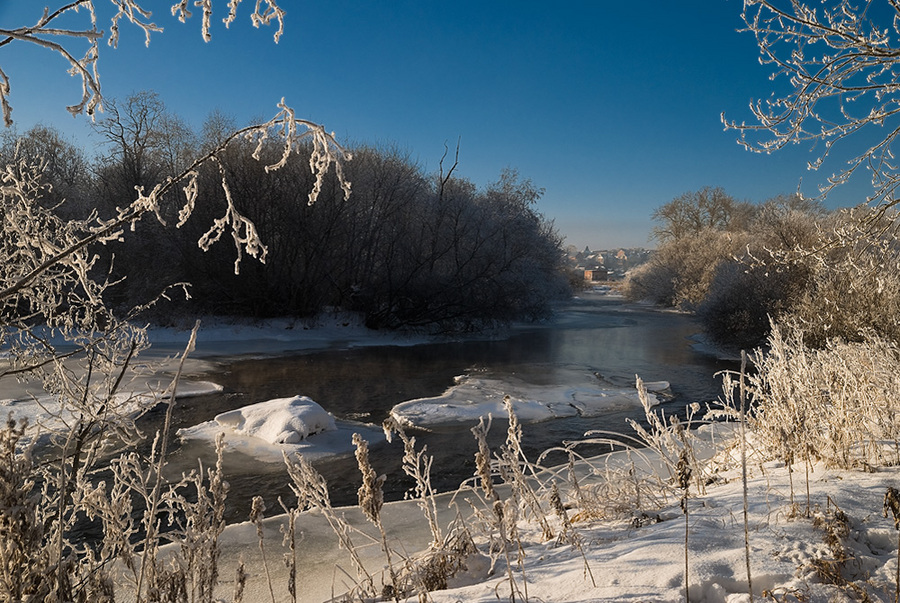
(644, 471)
(681, 271)
(855, 279)
(837, 404)
(21, 530)
(742, 298)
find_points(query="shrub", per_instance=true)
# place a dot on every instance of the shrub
(855, 281)
(743, 297)
(836, 403)
(681, 271)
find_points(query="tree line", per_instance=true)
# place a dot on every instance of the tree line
(405, 249)
(740, 266)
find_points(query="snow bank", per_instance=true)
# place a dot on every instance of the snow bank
(295, 425)
(234, 337)
(473, 397)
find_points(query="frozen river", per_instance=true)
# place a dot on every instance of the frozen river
(594, 338)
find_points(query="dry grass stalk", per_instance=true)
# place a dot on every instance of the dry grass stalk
(371, 499)
(417, 465)
(21, 554)
(745, 495)
(569, 534)
(311, 490)
(433, 569)
(483, 459)
(683, 473)
(513, 464)
(289, 540)
(502, 516)
(199, 525)
(892, 506)
(672, 441)
(257, 509)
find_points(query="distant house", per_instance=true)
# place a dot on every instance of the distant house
(600, 273)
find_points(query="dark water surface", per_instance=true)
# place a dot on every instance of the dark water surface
(596, 334)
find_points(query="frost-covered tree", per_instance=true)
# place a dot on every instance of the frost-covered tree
(142, 143)
(707, 209)
(65, 167)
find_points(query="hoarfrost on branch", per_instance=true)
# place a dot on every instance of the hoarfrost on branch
(69, 42)
(841, 64)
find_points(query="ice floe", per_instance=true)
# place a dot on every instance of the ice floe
(476, 396)
(45, 415)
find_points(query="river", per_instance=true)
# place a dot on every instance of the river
(596, 334)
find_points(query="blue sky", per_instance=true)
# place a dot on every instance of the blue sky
(612, 107)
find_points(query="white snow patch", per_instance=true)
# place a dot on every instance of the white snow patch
(44, 413)
(621, 560)
(234, 337)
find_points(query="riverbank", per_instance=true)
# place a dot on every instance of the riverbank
(842, 547)
(835, 544)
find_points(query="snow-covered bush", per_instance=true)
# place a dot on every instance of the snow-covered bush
(836, 403)
(854, 281)
(681, 271)
(742, 299)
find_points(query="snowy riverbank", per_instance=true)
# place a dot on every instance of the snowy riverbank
(636, 557)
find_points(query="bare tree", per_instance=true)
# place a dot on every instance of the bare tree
(144, 142)
(708, 209)
(840, 66)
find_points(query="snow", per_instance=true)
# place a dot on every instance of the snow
(44, 414)
(631, 558)
(279, 421)
(473, 397)
(152, 374)
(267, 430)
(233, 337)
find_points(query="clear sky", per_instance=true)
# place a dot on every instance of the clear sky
(612, 107)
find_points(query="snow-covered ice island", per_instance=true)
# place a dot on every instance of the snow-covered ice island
(268, 430)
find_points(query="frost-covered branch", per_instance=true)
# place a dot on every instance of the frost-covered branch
(70, 43)
(841, 65)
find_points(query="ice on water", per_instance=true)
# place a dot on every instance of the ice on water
(279, 421)
(476, 396)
